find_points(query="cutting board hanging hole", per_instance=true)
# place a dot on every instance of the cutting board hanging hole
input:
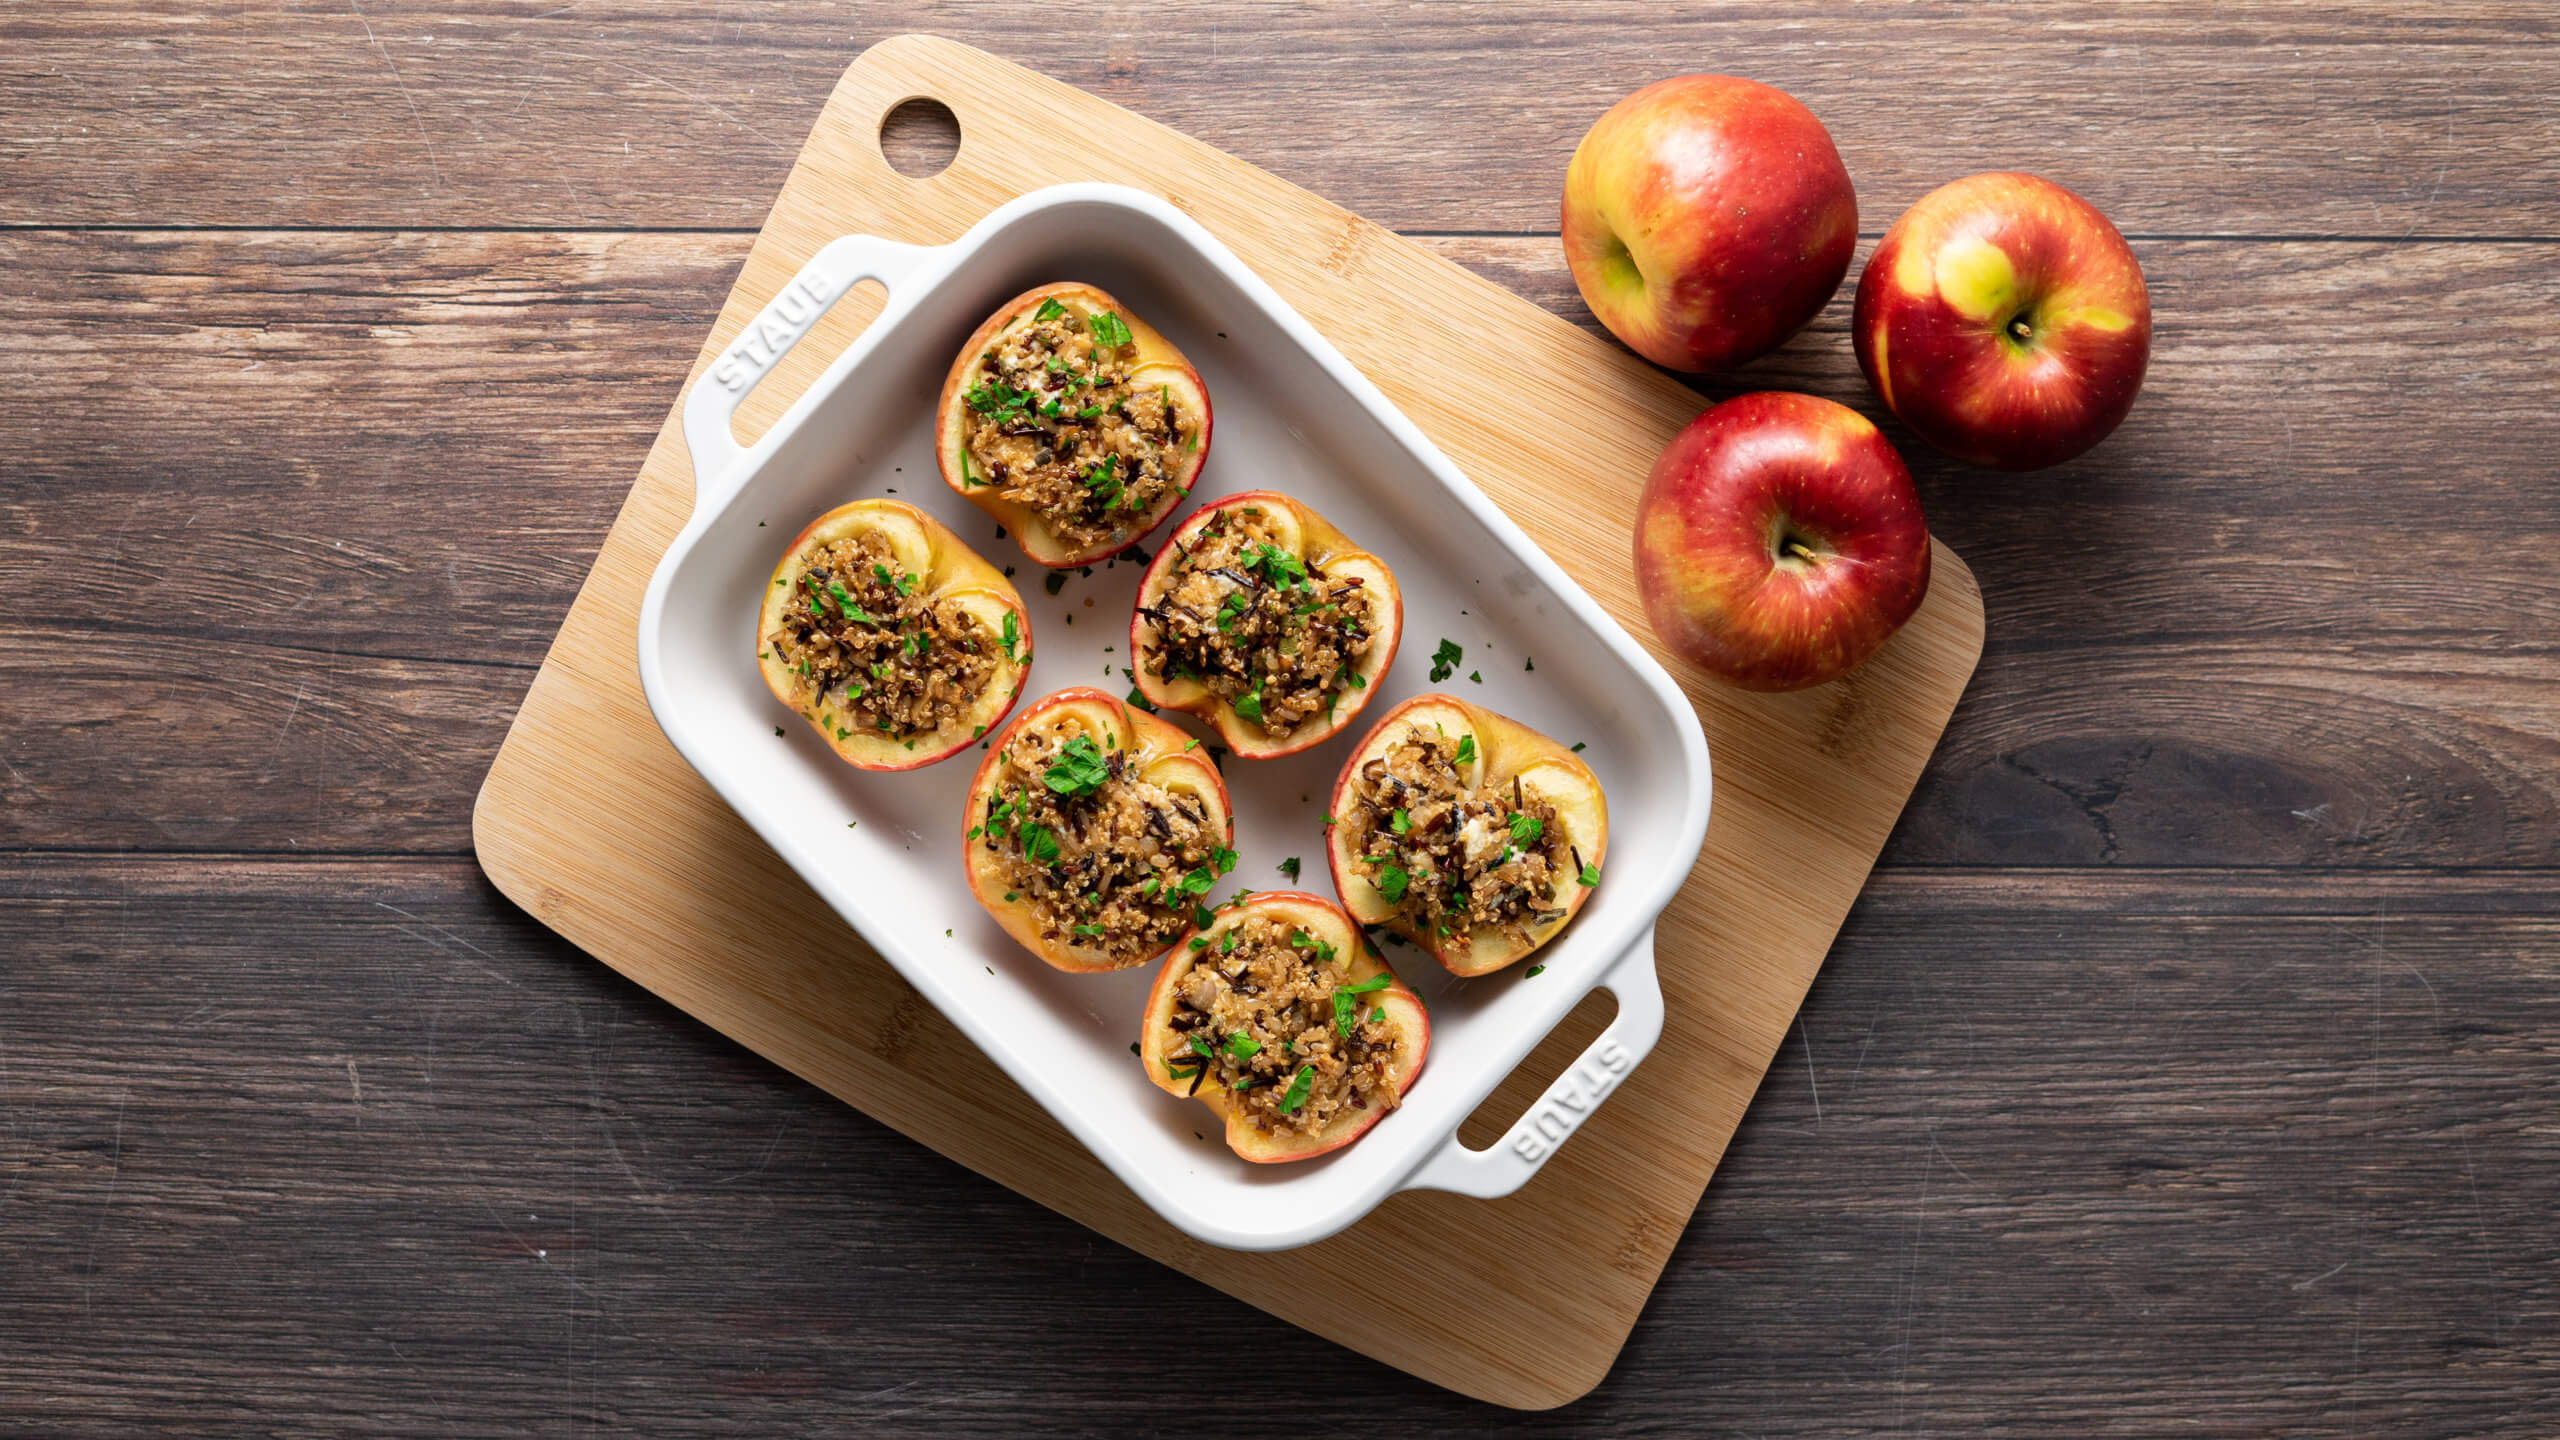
(919, 137)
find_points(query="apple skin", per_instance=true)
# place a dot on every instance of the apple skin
(2005, 321)
(1779, 542)
(1706, 219)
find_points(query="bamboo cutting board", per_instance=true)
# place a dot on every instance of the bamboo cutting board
(591, 821)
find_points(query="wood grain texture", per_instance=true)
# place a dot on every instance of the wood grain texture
(2262, 1148)
(591, 822)
(306, 1147)
(2252, 118)
(2281, 618)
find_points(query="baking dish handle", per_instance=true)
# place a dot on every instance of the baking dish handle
(792, 313)
(1538, 1134)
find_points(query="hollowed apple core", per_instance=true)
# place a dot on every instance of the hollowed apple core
(1470, 834)
(891, 638)
(1094, 832)
(1267, 622)
(1283, 1021)
(1072, 422)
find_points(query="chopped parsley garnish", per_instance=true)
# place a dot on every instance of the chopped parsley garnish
(845, 606)
(1289, 867)
(1276, 565)
(1400, 822)
(997, 401)
(1590, 875)
(1138, 700)
(1525, 830)
(1296, 1095)
(1039, 846)
(1391, 881)
(1055, 582)
(1578, 746)
(1243, 1046)
(1232, 609)
(1103, 479)
(1476, 675)
(1049, 309)
(1011, 637)
(1533, 972)
(1079, 768)
(1466, 748)
(1249, 705)
(1085, 932)
(1108, 330)
(1306, 940)
(1444, 661)
(1346, 1001)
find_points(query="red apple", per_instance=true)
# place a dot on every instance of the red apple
(2005, 321)
(1779, 542)
(1707, 219)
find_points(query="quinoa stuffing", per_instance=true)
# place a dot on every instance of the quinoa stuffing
(1451, 858)
(1270, 1012)
(857, 635)
(1268, 633)
(1107, 859)
(1056, 423)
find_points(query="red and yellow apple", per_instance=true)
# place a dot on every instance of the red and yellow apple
(1707, 219)
(2005, 321)
(1779, 542)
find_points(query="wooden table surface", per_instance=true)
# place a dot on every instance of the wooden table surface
(2192, 1064)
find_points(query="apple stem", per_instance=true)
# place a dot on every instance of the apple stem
(1798, 549)
(2021, 329)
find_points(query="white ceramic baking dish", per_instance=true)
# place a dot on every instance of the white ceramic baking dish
(1292, 415)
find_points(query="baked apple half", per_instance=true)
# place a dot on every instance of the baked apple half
(1283, 1019)
(1265, 621)
(1094, 832)
(1073, 423)
(1466, 832)
(888, 634)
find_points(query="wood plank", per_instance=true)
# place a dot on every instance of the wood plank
(2266, 118)
(306, 1145)
(2309, 569)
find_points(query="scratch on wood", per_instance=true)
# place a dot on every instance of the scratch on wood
(115, 1173)
(1809, 1077)
(398, 79)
